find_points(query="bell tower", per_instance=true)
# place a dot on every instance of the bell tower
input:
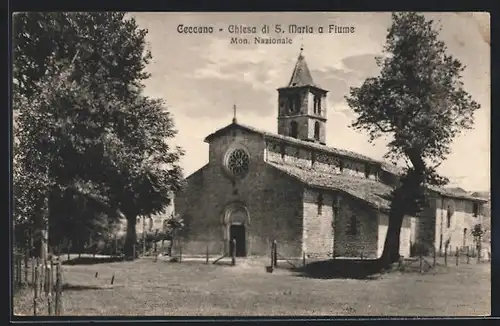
(302, 106)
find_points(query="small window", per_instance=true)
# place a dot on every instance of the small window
(313, 157)
(316, 130)
(475, 209)
(320, 204)
(449, 214)
(294, 129)
(353, 226)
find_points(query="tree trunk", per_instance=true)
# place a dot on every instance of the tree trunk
(390, 253)
(131, 236)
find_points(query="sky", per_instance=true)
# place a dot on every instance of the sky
(201, 77)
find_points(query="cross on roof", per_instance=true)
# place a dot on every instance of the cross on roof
(234, 113)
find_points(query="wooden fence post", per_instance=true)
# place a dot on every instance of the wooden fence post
(434, 256)
(58, 302)
(206, 258)
(272, 256)
(421, 262)
(468, 255)
(446, 256)
(26, 259)
(233, 256)
(479, 255)
(69, 249)
(457, 254)
(275, 253)
(303, 258)
(40, 275)
(49, 288)
(180, 252)
(32, 270)
(35, 291)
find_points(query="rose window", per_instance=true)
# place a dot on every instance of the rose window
(237, 162)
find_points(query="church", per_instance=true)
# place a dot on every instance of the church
(312, 199)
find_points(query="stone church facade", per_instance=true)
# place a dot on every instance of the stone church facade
(290, 187)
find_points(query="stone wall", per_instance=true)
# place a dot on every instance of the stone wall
(404, 237)
(318, 231)
(310, 158)
(364, 241)
(462, 218)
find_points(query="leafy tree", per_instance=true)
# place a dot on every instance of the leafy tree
(107, 46)
(419, 102)
(83, 124)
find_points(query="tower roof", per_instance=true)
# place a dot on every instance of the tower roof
(301, 75)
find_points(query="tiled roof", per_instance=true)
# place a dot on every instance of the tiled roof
(372, 192)
(339, 152)
(453, 193)
(301, 75)
(458, 193)
(295, 141)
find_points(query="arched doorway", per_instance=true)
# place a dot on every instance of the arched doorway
(235, 227)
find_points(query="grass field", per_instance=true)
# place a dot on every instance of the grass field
(145, 287)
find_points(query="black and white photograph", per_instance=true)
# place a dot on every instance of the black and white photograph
(272, 164)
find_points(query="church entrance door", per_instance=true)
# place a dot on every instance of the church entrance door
(237, 232)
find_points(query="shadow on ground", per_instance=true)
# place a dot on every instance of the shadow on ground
(92, 260)
(341, 268)
(78, 287)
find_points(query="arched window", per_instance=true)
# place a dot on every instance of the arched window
(353, 226)
(449, 214)
(316, 130)
(282, 150)
(320, 204)
(294, 129)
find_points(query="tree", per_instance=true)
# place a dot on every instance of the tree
(84, 125)
(107, 46)
(418, 101)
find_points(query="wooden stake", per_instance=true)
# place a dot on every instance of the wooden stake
(26, 259)
(233, 256)
(457, 254)
(445, 256)
(275, 254)
(468, 255)
(32, 270)
(35, 291)
(434, 257)
(69, 248)
(303, 258)
(272, 256)
(421, 262)
(206, 260)
(58, 307)
(180, 252)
